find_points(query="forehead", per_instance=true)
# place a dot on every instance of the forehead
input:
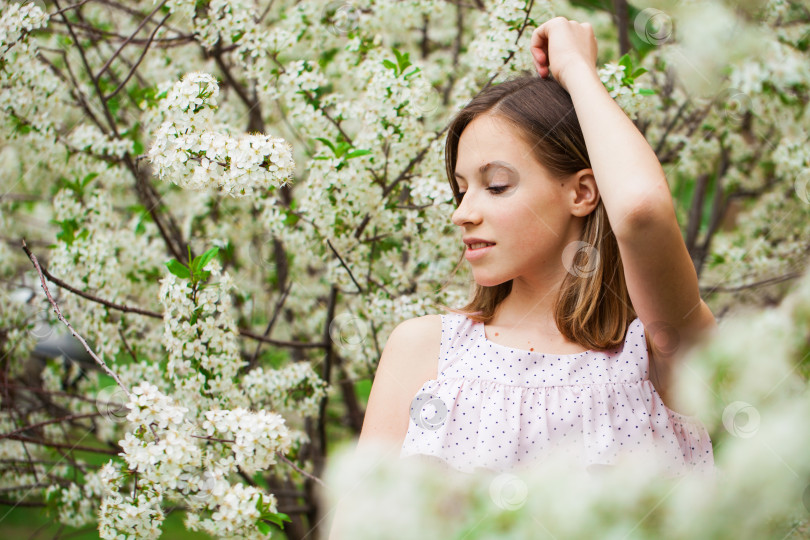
(490, 138)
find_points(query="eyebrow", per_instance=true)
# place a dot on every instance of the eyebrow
(483, 168)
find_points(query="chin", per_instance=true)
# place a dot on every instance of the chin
(489, 281)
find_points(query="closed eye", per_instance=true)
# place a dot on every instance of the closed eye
(494, 189)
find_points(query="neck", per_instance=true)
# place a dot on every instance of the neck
(530, 304)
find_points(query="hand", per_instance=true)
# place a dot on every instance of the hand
(559, 45)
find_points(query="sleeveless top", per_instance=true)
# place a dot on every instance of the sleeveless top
(498, 408)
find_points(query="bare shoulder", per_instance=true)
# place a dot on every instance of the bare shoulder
(422, 336)
(409, 359)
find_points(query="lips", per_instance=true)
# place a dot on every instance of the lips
(477, 243)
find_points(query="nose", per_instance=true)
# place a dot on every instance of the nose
(467, 211)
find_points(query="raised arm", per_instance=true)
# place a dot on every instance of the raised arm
(661, 278)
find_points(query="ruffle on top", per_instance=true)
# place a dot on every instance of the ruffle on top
(500, 408)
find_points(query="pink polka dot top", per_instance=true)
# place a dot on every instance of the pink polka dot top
(500, 408)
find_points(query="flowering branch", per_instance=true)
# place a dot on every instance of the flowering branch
(155, 315)
(87, 348)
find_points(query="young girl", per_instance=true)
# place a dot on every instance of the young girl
(584, 288)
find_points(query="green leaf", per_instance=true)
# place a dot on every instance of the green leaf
(626, 62)
(278, 518)
(87, 179)
(178, 269)
(290, 219)
(390, 65)
(402, 60)
(356, 153)
(638, 72)
(342, 148)
(414, 72)
(646, 92)
(264, 527)
(206, 257)
(68, 232)
(326, 142)
(327, 57)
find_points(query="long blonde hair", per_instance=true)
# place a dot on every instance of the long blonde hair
(592, 308)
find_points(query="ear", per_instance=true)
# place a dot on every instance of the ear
(584, 192)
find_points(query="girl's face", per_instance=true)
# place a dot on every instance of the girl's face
(515, 204)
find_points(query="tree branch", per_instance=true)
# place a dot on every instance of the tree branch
(87, 348)
(156, 315)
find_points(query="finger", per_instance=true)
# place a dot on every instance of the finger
(539, 56)
(540, 36)
(541, 69)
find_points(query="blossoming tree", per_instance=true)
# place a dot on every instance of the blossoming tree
(232, 203)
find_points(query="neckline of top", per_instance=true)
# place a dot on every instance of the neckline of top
(482, 333)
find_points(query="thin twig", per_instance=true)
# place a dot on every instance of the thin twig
(140, 59)
(305, 473)
(87, 348)
(120, 49)
(769, 281)
(359, 288)
(72, 447)
(270, 324)
(48, 422)
(68, 8)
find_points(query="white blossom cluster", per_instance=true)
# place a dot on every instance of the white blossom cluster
(277, 389)
(27, 88)
(102, 251)
(17, 20)
(496, 38)
(78, 504)
(257, 436)
(627, 97)
(172, 455)
(236, 515)
(148, 406)
(89, 137)
(200, 337)
(125, 516)
(195, 153)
